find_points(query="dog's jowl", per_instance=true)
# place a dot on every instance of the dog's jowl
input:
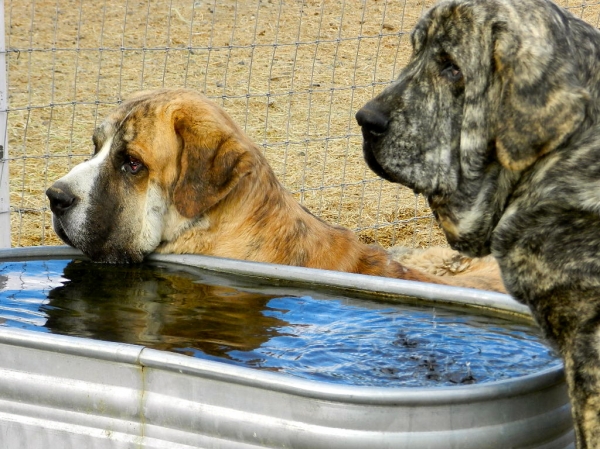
(495, 120)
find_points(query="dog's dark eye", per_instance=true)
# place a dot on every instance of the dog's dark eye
(451, 72)
(132, 165)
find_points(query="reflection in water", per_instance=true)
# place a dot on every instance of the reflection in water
(305, 334)
(154, 307)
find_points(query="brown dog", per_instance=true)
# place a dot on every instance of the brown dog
(496, 119)
(449, 263)
(173, 173)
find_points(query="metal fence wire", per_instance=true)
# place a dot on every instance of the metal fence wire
(292, 73)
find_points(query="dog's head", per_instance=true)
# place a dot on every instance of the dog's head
(161, 160)
(491, 87)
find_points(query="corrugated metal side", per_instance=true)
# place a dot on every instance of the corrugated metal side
(58, 392)
(276, 411)
(64, 392)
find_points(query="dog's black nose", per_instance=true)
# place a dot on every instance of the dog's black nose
(372, 119)
(61, 199)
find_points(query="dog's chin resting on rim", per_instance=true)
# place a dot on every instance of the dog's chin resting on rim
(496, 120)
(172, 173)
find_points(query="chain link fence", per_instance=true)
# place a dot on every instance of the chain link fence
(292, 73)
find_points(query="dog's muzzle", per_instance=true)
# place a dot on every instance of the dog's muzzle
(374, 122)
(61, 199)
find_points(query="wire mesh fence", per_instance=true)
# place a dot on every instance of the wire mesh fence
(292, 73)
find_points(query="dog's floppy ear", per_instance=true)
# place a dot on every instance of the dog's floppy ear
(212, 162)
(540, 102)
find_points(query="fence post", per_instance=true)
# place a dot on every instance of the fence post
(4, 191)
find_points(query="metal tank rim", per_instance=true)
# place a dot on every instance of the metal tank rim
(146, 357)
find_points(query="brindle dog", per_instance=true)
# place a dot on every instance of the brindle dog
(495, 120)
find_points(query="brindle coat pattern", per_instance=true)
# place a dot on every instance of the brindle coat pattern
(495, 120)
(173, 173)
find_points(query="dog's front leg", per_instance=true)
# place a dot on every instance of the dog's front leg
(571, 319)
(582, 369)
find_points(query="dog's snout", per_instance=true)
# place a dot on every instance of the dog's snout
(61, 199)
(372, 119)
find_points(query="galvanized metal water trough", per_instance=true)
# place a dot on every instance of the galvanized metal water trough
(65, 392)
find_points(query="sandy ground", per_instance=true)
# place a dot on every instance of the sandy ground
(292, 73)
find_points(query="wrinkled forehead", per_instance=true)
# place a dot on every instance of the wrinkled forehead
(418, 37)
(428, 24)
(121, 121)
(102, 132)
(448, 22)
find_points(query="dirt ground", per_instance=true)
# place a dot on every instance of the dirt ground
(291, 72)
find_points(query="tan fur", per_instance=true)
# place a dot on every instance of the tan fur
(447, 262)
(223, 199)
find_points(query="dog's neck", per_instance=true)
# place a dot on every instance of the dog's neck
(261, 221)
